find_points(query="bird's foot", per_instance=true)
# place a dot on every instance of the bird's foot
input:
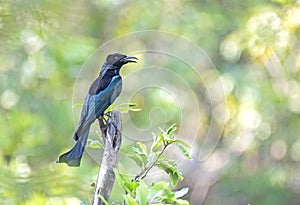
(109, 121)
(105, 123)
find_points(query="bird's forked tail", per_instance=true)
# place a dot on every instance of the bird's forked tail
(73, 157)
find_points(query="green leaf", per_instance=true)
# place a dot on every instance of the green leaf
(181, 192)
(123, 181)
(182, 202)
(94, 144)
(157, 141)
(129, 200)
(138, 151)
(142, 193)
(103, 199)
(162, 165)
(139, 155)
(143, 148)
(139, 160)
(129, 104)
(168, 135)
(132, 104)
(151, 158)
(170, 140)
(135, 109)
(125, 107)
(167, 196)
(171, 129)
(157, 190)
(184, 151)
(132, 185)
(174, 178)
(172, 171)
(123, 110)
(110, 108)
(161, 192)
(182, 142)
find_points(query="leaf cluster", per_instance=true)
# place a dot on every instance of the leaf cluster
(136, 190)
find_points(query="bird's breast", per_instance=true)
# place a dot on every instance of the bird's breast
(116, 83)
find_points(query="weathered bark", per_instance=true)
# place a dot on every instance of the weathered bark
(112, 137)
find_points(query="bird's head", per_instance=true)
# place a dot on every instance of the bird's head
(117, 60)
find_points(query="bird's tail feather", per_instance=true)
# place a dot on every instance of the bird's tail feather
(73, 157)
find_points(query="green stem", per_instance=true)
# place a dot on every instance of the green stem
(144, 172)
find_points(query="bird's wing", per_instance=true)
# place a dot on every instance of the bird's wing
(82, 120)
(85, 107)
(95, 105)
(100, 102)
(101, 83)
(88, 106)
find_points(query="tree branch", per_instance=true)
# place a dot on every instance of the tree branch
(112, 137)
(145, 171)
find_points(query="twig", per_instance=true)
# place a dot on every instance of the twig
(145, 171)
(112, 137)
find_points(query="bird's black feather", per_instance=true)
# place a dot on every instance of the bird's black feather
(102, 82)
(102, 93)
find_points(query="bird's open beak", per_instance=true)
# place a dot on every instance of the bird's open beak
(130, 59)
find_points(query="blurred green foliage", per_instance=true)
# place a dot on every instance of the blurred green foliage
(253, 44)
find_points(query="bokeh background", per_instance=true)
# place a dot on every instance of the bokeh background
(254, 46)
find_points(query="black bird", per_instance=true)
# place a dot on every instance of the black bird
(102, 93)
